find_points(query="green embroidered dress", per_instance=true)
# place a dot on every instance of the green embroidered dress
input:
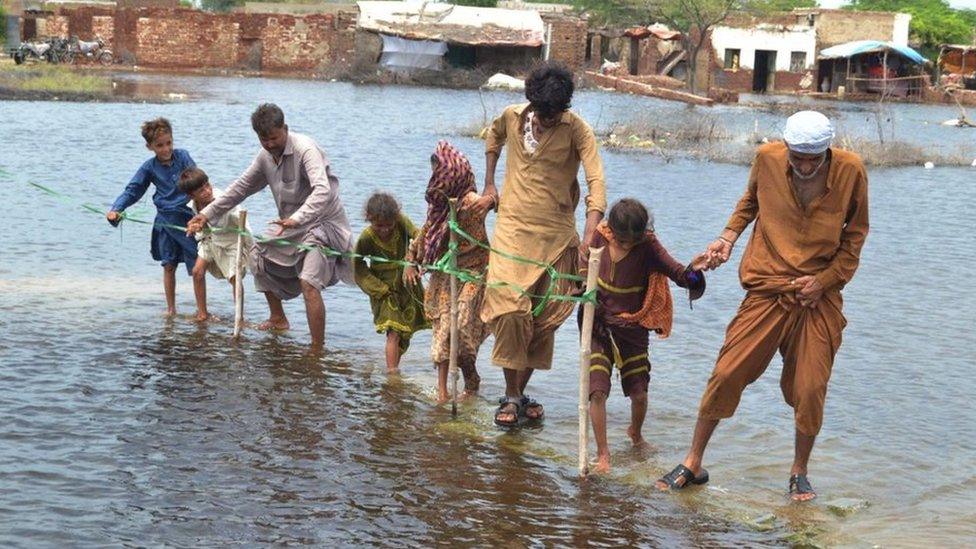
(396, 306)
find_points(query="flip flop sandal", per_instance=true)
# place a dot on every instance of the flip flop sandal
(502, 409)
(682, 472)
(527, 403)
(800, 485)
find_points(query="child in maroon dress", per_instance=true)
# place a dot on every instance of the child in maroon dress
(633, 299)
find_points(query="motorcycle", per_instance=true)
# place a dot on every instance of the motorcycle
(32, 51)
(92, 51)
(60, 51)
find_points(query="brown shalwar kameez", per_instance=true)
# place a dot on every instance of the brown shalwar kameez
(787, 242)
(537, 220)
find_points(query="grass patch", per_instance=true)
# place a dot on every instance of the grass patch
(53, 79)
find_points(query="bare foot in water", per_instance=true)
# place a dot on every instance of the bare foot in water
(275, 324)
(203, 316)
(393, 371)
(170, 313)
(602, 466)
(443, 397)
(637, 439)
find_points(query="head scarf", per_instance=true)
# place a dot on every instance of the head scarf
(808, 132)
(452, 177)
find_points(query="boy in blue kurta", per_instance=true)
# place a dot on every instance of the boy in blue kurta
(169, 246)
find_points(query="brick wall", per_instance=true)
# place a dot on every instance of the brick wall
(181, 38)
(103, 26)
(297, 42)
(838, 27)
(568, 43)
(186, 38)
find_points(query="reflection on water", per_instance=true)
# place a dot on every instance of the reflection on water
(121, 427)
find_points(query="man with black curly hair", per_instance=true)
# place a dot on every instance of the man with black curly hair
(536, 220)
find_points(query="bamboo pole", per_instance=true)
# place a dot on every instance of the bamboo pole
(586, 335)
(239, 276)
(453, 362)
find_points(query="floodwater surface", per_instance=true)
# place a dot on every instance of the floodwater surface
(120, 427)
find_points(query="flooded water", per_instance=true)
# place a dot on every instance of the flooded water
(123, 428)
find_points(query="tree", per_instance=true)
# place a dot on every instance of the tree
(476, 3)
(3, 25)
(771, 6)
(694, 18)
(220, 5)
(934, 22)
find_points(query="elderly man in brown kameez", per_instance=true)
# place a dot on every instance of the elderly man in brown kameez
(537, 221)
(810, 207)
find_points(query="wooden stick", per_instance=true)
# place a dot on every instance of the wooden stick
(586, 335)
(239, 276)
(453, 363)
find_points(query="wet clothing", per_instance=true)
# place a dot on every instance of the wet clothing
(472, 331)
(306, 191)
(396, 306)
(618, 338)
(219, 248)
(523, 340)
(787, 242)
(169, 246)
(537, 220)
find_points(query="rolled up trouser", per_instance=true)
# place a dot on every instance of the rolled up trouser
(807, 339)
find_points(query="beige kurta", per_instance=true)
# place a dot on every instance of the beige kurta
(219, 248)
(537, 208)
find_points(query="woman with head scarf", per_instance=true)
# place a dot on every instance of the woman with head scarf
(452, 177)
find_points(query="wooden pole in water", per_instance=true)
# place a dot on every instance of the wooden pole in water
(239, 276)
(453, 362)
(586, 335)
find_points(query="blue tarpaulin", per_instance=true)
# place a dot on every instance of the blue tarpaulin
(868, 46)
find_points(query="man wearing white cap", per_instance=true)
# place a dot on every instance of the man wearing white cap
(810, 205)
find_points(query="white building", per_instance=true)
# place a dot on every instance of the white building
(773, 47)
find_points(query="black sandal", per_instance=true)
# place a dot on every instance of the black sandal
(800, 485)
(527, 403)
(682, 472)
(502, 404)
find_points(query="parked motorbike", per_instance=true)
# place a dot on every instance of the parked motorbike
(92, 51)
(35, 51)
(60, 51)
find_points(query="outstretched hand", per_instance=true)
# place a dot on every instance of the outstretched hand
(481, 206)
(411, 275)
(196, 224)
(808, 290)
(114, 218)
(701, 262)
(718, 252)
(286, 223)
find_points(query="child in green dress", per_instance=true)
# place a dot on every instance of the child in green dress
(397, 306)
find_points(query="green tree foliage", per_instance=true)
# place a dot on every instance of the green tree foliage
(476, 3)
(3, 24)
(220, 5)
(934, 22)
(769, 6)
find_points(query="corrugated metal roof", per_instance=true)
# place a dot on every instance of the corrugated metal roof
(452, 23)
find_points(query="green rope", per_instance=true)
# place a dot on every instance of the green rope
(442, 265)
